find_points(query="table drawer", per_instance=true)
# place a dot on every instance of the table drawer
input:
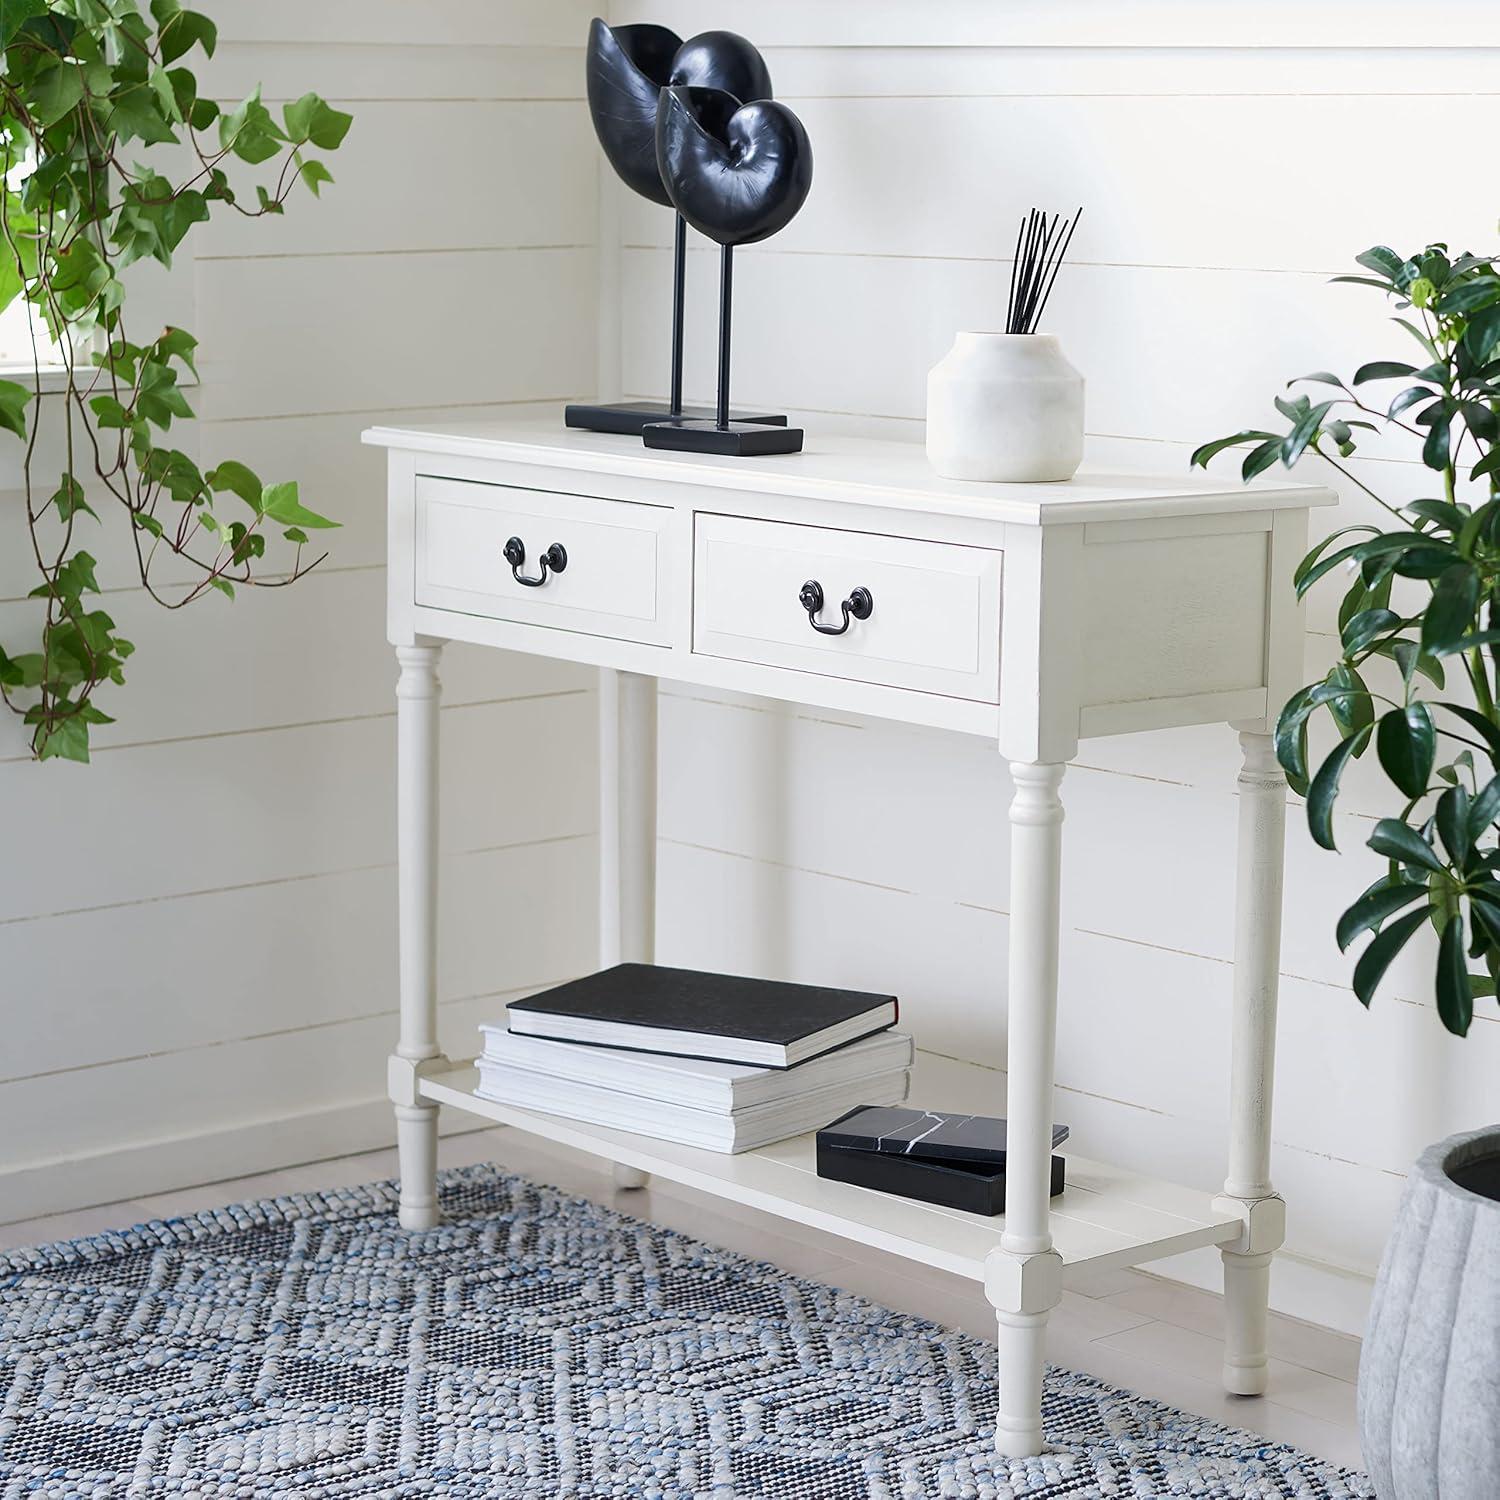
(933, 623)
(612, 582)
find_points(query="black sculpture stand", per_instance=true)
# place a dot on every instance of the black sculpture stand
(728, 433)
(631, 417)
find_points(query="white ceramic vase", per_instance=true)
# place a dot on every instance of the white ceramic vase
(1005, 406)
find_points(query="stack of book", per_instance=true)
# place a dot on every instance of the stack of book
(710, 1060)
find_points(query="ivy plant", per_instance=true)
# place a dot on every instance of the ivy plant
(1417, 670)
(111, 156)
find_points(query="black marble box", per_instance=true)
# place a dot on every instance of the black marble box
(972, 1186)
(929, 1134)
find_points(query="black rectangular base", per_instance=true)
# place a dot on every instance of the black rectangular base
(975, 1188)
(738, 440)
(628, 417)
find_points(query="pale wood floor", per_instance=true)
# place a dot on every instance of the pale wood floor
(1146, 1334)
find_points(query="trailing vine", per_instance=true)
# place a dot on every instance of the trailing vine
(93, 96)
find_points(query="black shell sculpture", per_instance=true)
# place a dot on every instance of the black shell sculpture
(736, 172)
(628, 66)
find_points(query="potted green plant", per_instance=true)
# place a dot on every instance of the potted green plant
(1417, 678)
(91, 92)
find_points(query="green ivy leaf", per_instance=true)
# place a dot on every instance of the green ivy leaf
(55, 91)
(279, 501)
(312, 120)
(69, 500)
(314, 173)
(237, 480)
(13, 399)
(250, 132)
(66, 738)
(14, 12)
(183, 31)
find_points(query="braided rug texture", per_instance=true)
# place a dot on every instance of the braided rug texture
(533, 1345)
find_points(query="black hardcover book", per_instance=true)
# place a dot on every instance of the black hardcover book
(926, 1134)
(689, 1013)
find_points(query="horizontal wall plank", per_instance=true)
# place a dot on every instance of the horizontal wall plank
(208, 1154)
(350, 333)
(167, 820)
(338, 475)
(447, 23)
(178, 1094)
(513, 918)
(822, 775)
(1084, 70)
(884, 185)
(1168, 354)
(743, 916)
(1075, 23)
(354, 71)
(506, 174)
(271, 658)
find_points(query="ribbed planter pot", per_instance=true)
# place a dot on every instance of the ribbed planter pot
(1429, 1376)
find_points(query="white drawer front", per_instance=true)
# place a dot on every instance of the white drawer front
(613, 582)
(934, 624)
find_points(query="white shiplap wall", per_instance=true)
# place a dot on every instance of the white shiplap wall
(1229, 159)
(197, 949)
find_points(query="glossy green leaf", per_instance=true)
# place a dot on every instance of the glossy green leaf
(1398, 841)
(1451, 819)
(1356, 710)
(1258, 460)
(1455, 1001)
(13, 399)
(1381, 258)
(1476, 721)
(1202, 455)
(1378, 903)
(1406, 742)
(1323, 792)
(1450, 614)
(1382, 369)
(1380, 954)
(1367, 626)
(1485, 809)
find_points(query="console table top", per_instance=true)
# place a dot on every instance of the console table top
(867, 471)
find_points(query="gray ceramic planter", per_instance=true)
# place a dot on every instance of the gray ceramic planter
(1429, 1376)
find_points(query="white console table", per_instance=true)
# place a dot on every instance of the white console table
(1033, 615)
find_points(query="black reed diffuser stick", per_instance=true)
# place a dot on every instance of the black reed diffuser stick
(1040, 247)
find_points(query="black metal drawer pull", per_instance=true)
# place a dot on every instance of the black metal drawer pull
(860, 605)
(555, 558)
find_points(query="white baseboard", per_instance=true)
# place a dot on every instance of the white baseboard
(142, 1168)
(1316, 1292)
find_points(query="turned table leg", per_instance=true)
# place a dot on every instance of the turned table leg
(1023, 1277)
(417, 695)
(1257, 961)
(627, 832)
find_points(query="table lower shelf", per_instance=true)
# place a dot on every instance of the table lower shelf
(1104, 1217)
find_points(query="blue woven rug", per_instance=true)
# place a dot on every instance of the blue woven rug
(535, 1345)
